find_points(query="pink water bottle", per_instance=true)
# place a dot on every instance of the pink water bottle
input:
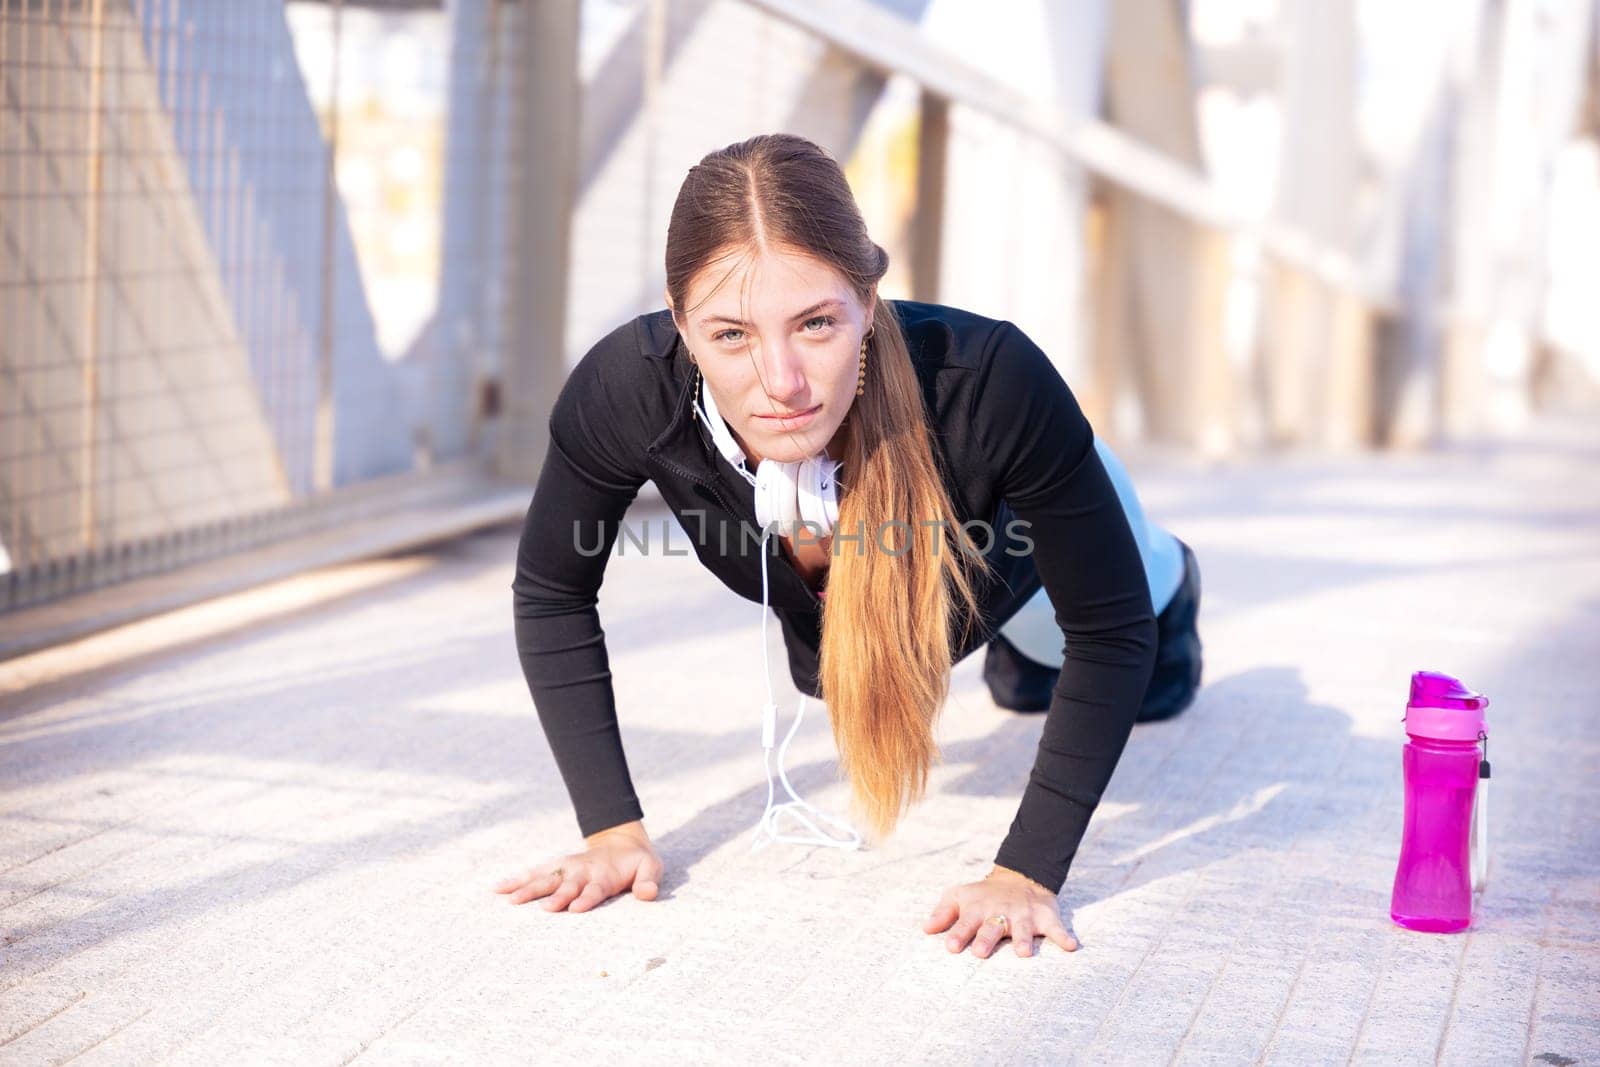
(1443, 849)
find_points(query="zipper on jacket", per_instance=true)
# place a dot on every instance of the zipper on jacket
(697, 479)
(710, 483)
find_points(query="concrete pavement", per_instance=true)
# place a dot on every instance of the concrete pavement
(265, 829)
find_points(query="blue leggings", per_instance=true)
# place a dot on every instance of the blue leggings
(1033, 628)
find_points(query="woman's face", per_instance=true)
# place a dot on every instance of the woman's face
(793, 350)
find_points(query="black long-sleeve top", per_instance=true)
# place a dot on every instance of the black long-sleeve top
(1011, 443)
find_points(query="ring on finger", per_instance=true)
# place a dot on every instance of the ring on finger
(1000, 919)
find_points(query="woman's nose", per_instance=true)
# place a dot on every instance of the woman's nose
(785, 375)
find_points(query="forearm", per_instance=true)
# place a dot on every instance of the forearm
(1041, 449)
(1091, 716)
(560, 643)
(565, 665)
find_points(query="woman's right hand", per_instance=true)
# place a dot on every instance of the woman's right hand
(617, 858)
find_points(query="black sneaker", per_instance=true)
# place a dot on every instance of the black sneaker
(1018, 683)
(1015, 681)
(1176, 678)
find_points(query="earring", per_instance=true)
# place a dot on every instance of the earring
(861, 378)
(699, 384)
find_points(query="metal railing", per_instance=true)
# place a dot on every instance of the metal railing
(192, 347)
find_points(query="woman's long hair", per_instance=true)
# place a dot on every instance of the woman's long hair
(896, 598)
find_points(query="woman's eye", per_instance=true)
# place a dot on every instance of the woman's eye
(825, 320)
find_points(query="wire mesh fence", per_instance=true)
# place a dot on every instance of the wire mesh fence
(223, 255)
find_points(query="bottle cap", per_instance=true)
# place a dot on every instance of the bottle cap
(1444, 709)
(1434, 689)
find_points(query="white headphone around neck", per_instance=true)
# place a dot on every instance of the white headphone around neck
(786, 493)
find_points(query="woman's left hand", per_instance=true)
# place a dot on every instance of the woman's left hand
(968, 911)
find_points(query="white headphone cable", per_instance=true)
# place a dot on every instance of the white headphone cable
(766, 829)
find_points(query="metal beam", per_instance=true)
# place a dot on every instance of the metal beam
(894, 46)
(547, 145)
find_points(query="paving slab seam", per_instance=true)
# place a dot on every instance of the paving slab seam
(156, 942)
(1372, 994)
(172, 805)
(1150, 949)
(211, 791)
(159, 946)
(1200, 1008)
(283, 1028)
(1455, 993)
(1283, 860)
